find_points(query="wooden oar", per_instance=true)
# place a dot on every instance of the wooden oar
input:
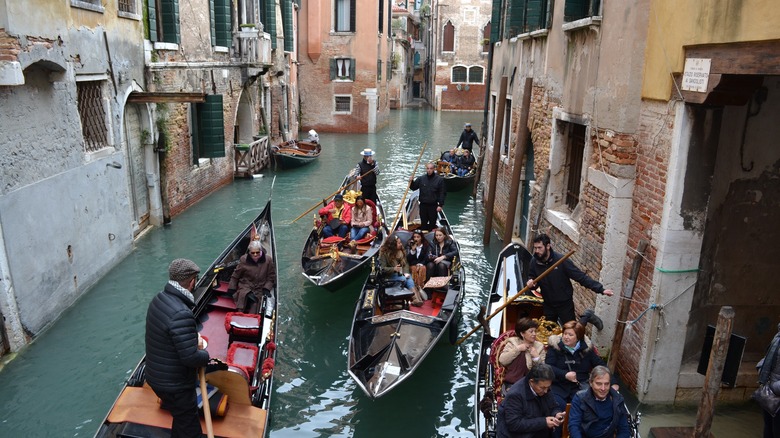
(204, 396)
(506, 291)
(517, 295)
(331, 195)
(414, 172)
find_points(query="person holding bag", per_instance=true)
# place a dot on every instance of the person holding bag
(768, 393)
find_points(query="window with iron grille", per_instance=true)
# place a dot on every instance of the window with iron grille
(92, 111)
(343, 104)
(127, 6)
(459, 74)
(475, 74)
(575, 147)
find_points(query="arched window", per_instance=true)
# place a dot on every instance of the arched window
(448, 40)
(458, 74)
(486, 38)
(475, 74)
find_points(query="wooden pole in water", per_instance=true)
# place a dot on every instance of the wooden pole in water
(517, 165)
(712, 381)
(624, 305)
(497, 133)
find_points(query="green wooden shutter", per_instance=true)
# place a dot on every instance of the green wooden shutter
(211, 23)
(352, 15)
(223, 23)
(378, 70)
(495, 23)
(195, 130)
(516, 18)
(170, 21)
(389, 70)
(287, 24)
(333, 68)
(212, 127)
(352, 68)
(534, 14)
(575, 9)
(152, 20)
(270, 21)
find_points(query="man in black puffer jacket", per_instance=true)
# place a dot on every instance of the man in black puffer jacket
(432, 194)
(174, 350)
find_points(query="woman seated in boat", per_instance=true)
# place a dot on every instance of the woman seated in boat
(465, 163)
(520, 351)
(393, 266)
(254, 276)
(572, 357)
(417, 257)
(362, 218)
(443, 251)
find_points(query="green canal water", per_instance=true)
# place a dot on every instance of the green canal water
(63, 384)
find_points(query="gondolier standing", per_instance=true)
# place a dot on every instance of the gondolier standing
(467, 137)
(368, 178)
(174, 350)
(432, 194)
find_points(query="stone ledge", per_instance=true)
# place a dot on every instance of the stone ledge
(11, 73)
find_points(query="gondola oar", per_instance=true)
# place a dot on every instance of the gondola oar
(401, 206)
(204, 397)
(515, 296)
(331, 195)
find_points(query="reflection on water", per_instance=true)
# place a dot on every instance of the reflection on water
(64, 383)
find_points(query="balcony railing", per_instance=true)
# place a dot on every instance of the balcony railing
(254, 46)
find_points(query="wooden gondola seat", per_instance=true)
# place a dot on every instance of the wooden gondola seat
(245, 327)
(392, 295)
(243, 356)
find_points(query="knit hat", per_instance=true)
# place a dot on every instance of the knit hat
(338, 197)
(182, 269)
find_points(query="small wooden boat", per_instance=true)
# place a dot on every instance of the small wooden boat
(295, 153)
(389, 338)
(249, 355)
(452, 181)
(329, 262)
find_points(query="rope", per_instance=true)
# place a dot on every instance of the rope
(653, 306)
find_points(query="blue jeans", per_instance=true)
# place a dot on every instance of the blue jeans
(463, 171)
(327, 231)
(408, 282)
(358, 233)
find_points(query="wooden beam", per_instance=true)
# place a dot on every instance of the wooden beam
(517, 166)
(494, 158)
(712, 380)
(163, 97)
(743, 58)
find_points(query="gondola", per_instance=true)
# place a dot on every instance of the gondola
(295, 153)
(452, 181)
(389, 338)
(329, 262)
(245, 342)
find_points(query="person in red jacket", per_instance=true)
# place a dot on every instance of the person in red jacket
(337, 217)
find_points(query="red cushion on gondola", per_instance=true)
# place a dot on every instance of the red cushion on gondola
(243, 324)
(367, 239)
(243, 356)
(333, 239)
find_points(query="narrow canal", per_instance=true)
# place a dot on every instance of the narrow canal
(63, 384)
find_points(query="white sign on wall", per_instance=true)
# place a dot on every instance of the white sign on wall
(696, 74)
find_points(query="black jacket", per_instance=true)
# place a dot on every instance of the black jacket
(524, 415)
(370, 179)
(583, 418)
(466, 163)
(449, 250)
(467, 138)
(556, 286)
(172, 355)
(432, 190)
(581, 361)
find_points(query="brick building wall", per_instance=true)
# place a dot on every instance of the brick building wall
(472, 99)
(9, 47)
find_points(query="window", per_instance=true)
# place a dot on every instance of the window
(486, 38)
(207, 128)
(525, 16)
(505, 136)
(382, 16)
(344, 16)
(126, 6)
(92, 111)
(221, 26)
(458, 74)
(448, 40)
(92, 5)
(164, 21)
(379, 70)
(575, 147)
(416, 59)
(475, 74)
(342, 69)
(576, 9)
(342, 104)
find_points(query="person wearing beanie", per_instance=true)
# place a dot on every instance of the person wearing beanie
(174, 349)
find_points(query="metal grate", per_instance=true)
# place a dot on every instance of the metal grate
(343, 104)
(127, 6)
(576, 147)
(93, 115)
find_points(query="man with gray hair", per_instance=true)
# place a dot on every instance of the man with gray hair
(174, 349)
(253, 278)
(529, 409)
(598, 411)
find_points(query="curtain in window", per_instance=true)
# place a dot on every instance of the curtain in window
(344, 16)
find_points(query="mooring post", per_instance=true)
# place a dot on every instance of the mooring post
(712, 380)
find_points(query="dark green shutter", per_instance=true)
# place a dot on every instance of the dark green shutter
(222, 23)
(516, 18)
(575, 9)
(378, 70)
(352, 15)
(169, 16)
(213, 27)
(270, 21)
(333, 68)
(534, 14)
(152, 22)
(212, 127)
(195, 130)
(495, 23)
(389, 70)
(287, 24)
(352, 68)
